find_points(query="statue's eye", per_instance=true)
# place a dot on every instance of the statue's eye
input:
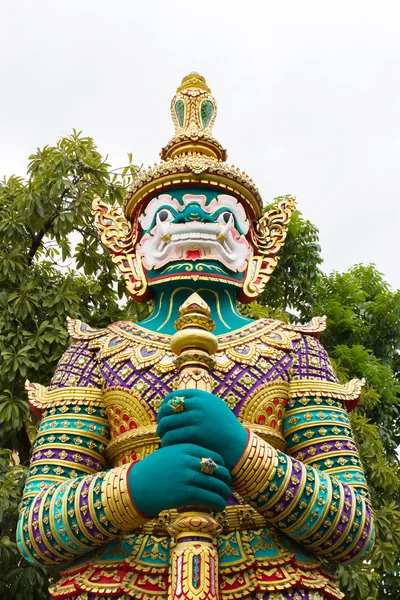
(165, 215)
(225, 217)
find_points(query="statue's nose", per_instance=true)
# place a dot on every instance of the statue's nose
(193, 213)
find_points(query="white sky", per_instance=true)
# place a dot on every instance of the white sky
(308, 94)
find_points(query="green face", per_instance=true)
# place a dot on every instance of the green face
(194, 234)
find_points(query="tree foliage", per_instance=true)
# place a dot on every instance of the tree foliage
(363, 339)
(292, 286)
(52, 266)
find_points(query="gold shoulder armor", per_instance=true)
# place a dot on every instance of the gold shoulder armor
(112, 340)
(80, 331)
(41, 398)
(349, 393)
(315, 327)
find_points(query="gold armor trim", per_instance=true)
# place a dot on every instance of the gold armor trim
(348, 392)
(315, 327)
(40, 397)
(247, 558)
(264, 411)
(274, 332)
(124, 340)
(140, 438)
(81, 331)
(233, 518)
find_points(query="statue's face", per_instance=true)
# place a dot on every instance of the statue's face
(199, 233)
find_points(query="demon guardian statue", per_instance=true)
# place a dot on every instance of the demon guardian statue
(212, 461)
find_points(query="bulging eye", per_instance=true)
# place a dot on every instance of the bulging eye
(165, 216)
(224, 217)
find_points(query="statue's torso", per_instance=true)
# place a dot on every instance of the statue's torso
(136, 370)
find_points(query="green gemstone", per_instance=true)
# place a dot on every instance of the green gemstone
(206, 110)
(180, 112)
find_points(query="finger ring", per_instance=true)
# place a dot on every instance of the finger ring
(208, 466)
(177, 404)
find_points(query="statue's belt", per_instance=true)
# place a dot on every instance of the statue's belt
(233, 518)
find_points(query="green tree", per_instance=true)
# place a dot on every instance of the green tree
(363, 339)
(51, 266)
(291, 288)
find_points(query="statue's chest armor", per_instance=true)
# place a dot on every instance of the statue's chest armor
(251, 375)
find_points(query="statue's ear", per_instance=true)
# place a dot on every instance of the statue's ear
(268, 235)
(119, 236)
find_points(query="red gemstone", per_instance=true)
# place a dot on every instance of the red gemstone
(261, 420)
(273, 423)
(125, 417)
(132, 425)
(122, 429)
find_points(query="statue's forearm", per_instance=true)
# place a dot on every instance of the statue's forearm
(73, 517)
(328, 517)
(71, 503)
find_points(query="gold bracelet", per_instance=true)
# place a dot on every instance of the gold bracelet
(254, 470)
(112, 495)
(115, 516)
(118, 505)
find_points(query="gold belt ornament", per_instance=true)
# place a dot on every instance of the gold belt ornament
(233, 518)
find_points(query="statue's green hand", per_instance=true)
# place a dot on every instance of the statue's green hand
(207, 421)
(172, 478)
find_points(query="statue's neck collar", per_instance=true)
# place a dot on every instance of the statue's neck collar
(221, 300)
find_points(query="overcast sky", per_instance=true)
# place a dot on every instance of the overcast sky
(308, 96)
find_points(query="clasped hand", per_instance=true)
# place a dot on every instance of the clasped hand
(171, 477)
(205, 421)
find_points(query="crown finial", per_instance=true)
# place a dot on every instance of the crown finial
(193, 111)
(192, 81)
(193, 156)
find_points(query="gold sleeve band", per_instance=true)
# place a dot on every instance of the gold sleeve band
(255, 469)
(116, 499)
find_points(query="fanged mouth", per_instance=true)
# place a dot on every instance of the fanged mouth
(200, 234)
(193, 237)
(195, 240)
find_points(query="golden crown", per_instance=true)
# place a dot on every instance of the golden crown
(193, 156)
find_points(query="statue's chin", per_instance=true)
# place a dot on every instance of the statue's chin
(195, 269)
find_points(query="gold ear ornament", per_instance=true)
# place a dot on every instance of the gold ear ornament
(268, 235)
(120, 236)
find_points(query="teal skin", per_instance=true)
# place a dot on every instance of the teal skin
(169, 298)
(171, 478)
(207, 421)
